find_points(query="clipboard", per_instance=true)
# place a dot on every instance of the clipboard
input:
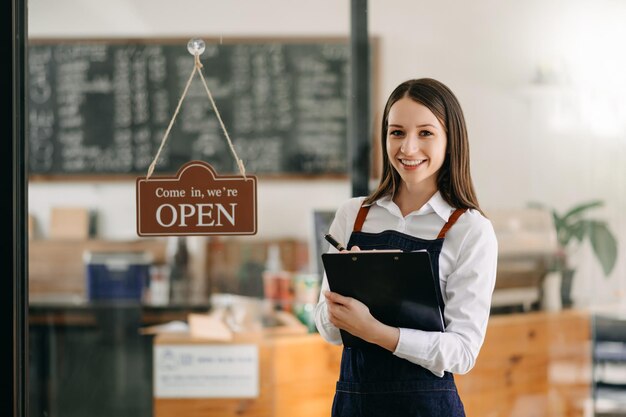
(397, 287)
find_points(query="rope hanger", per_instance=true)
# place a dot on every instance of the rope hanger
(196, 47)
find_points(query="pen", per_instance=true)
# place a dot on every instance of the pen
(334, 242)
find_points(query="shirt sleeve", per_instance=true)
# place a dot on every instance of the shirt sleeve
(341, 229)
(326, 329)
(468, 291)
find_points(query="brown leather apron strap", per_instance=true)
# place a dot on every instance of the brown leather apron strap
(453, 218)
(360, 218)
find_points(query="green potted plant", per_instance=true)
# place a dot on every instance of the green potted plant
(572, 228)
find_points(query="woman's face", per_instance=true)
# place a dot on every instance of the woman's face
(416, 144)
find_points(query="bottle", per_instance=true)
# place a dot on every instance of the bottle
(179, 273)
(220, 280)
(307, 292)
(250, 275)
(159, 285)
(276, 281)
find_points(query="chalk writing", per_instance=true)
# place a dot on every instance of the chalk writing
(103, 107)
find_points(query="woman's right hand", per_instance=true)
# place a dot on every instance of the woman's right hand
(353, 316)
(349, 314)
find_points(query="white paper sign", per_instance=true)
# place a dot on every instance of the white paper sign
(206, 371)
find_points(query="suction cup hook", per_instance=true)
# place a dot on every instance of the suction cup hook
(196, 46)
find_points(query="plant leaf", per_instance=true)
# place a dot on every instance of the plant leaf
(582, 207)
(604, 245)
(562, 231)
(580, 228)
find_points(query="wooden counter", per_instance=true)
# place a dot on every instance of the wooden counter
(535, 364)
(297, 378)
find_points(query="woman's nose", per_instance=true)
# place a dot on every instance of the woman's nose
(409, 145)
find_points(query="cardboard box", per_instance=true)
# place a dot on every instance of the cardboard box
(69, 223)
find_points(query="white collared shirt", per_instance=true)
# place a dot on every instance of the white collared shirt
(467, 272)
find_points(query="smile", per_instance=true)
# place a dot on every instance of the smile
(412, 162)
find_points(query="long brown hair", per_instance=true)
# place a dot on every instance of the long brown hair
(454, 180)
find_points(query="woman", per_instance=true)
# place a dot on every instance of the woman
(425, 200)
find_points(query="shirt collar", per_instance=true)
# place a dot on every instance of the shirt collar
(441, 207)
(436, 204)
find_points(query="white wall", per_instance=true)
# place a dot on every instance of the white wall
(529, 143)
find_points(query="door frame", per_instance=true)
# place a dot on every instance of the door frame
(14, 288)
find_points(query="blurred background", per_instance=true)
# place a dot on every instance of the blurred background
(542, 86)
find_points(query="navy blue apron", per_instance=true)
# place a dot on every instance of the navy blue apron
(374, 382)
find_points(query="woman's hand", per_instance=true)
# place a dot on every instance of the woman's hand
(352, 249)
(350, 314)
(353, 316)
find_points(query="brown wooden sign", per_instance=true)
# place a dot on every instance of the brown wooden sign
(195, 202)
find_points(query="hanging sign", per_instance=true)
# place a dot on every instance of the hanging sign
(196, 202)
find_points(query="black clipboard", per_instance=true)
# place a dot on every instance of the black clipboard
(397, 287)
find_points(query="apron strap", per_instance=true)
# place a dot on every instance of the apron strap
(453, 218)
(360, 218)
(362, 214)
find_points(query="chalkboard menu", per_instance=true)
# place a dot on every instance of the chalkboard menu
(100, 107)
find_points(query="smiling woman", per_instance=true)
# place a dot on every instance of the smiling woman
(416, 148)
(425, 197)
(428, 110)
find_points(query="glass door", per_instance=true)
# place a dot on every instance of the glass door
(104, 82)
